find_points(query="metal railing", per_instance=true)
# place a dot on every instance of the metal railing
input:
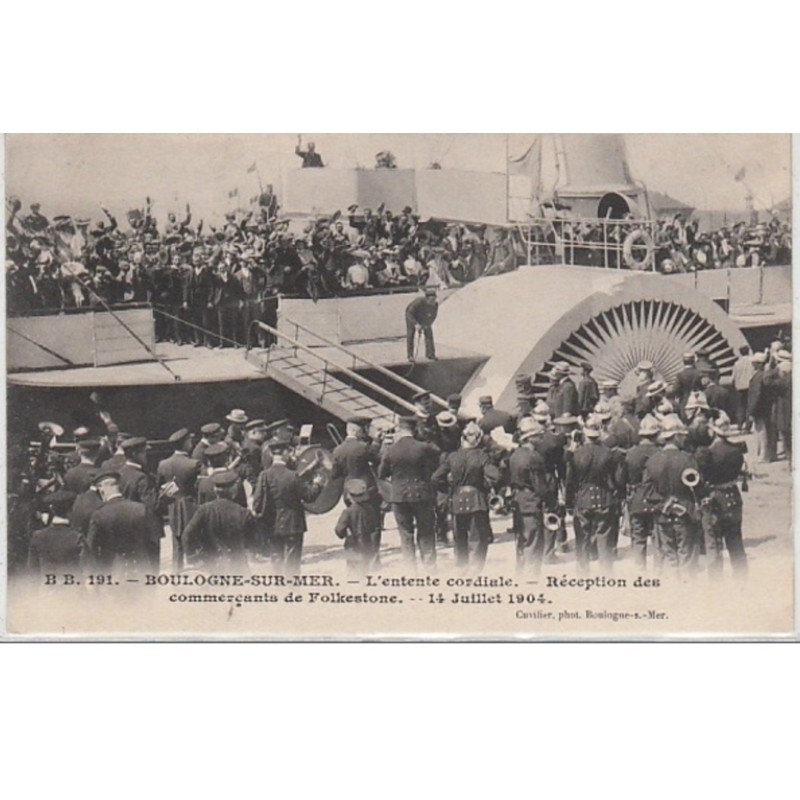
(365, 361)
(595, 242)
(330, 367)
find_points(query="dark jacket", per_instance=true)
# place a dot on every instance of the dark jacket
(422, 311)
(355, 458)
(760, 395)
(664, 469)
(180, 468)
(565, 399)
(466, 467)
(79, 478)
(531, 480)
(118, 533)
(139, 486)
(588, 394)
(639, 490)
(594, 477)
(217, 533)
(278, 500)
(410, 464)
(687, 381)
(82, 509)
(495, 418)
(55, 548)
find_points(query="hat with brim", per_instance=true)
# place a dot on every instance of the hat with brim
(211, 428)
(566, 419)
(256, 424)
(53, 428)
(446, 419)
(133, 443)
(656, 388)
(237, 416)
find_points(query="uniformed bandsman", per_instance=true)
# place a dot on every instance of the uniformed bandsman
(721, 465)
(136, 484)
(594, 478)
(409, 464)
(667, 470)
(177, 483)
(121, 531)
(535, 494)
(359, 526)
(79, 478)
(466, 476)
(278, 506)
(216, 535)
(640, 501)
(57, 547)
(357, 457)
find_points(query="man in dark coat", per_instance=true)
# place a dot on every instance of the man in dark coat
(588, 391)
(721, 509)
(359, 526)
(565, 397)
(56, 547)
(492, 417)
(421, 314)
(466, 477)
(409, 464)
(593, 482)
(535, 493)
(136, 484)
(761, 408)
(641, 508)
(278, 504)
(217, 533)
(356, 458)
(82, 509)
(79, 478)
(121, 531)
(688, 378)
(310, 156)
(177, 481)
(676, 513)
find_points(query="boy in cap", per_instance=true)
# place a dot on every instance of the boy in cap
(216, 534)
(359, 525)
(56, 547)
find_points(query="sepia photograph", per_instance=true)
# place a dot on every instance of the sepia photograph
(312, 386)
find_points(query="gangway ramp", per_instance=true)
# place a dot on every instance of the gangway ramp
(338, 389)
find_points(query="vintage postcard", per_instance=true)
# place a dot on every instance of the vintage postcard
(381, 386)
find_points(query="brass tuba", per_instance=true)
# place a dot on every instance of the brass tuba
(552, 521)
(690, 477)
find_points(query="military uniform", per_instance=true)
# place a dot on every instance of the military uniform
(721, 509)
(181, 470)
(359, 525)
(410, 464)
(82, 509)
(278, 503)
(592, 483)
(137, 485)
(675, 519)
(535, 492)
(56, 548)
(640, 500)
(496, 418)
(464, 475)
(120, 535)
(79, 478)
(357, 459)
(216, 535)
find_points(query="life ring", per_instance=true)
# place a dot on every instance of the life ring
(637, 238)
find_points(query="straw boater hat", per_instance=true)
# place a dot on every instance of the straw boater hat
(528, 428)
(446, 419)
(238, 416)
(592, 428)
(671, 425)
(649, 426)
(541, 411)
(603, 411)
(472, 434)
(696, 401)
(656, 388)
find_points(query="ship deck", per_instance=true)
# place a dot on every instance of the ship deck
(204, 365)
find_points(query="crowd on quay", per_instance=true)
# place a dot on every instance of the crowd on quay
(211, 282)
(662, 466)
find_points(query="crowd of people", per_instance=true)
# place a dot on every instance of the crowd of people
(211, 282)
(662, 466)
(675, 245)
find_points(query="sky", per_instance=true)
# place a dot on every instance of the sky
(76, 173)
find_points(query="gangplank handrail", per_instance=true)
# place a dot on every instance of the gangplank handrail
(331, 366)
(356, 357)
